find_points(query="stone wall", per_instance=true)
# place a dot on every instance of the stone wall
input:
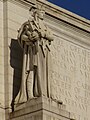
(2, 64)
(12, 15)
(16, 15)
(69, 68)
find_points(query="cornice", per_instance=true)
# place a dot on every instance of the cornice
(80, 39)
(24, 3)
(66, 16)
(58, 13)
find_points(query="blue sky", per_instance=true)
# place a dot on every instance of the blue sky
(80, 7)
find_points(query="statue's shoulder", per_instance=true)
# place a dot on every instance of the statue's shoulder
(20, 32)
(21, 29)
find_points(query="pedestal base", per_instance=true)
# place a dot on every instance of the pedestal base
(40, 109)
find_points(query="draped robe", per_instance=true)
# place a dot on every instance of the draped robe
(35, 62)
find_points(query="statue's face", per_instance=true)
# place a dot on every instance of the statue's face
(41, 14)
(32, 11)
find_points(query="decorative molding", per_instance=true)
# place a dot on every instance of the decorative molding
(64, 19)
(58, 13)
(66, 16)
(68, 32)
(71, 37)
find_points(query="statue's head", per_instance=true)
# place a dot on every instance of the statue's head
(40, 12)
(32, 11)
(37, 12)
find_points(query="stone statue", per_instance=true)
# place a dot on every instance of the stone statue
(35, 39)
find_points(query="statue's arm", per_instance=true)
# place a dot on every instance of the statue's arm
(24, 38)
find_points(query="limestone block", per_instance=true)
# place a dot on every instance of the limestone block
(2, 114)
(1, 30)
(8, 100)
(10, 71)
(70, 76)
(14, 25)
(2, 100)
(1, 5)
(3, 60)
(1, 69)
(1, 13)
(1, 79)
(2, 97)
(2, 89)
(66, 30)
(18, 9)
(3, 63)
(17, 18)
(1, 51)
(1, 43)
(40, 109)
(1, 24)
(12, 33)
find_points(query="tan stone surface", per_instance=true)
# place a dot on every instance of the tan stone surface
(16, 15)
(69, 68)
(70, 53)
(2, 114)
(69, 75)
(41, 109)
(2, 92)
(67, 16)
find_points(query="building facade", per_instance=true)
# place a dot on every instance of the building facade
(69, 65)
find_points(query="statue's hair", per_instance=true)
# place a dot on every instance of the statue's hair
(32, 7)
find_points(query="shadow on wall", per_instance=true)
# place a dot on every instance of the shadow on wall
(16, 62)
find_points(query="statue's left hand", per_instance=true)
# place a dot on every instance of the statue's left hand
(34, 35)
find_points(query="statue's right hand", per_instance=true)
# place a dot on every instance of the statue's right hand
(35, 35)
(25, 38)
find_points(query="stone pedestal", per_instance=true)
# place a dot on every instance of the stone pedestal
(40, 109)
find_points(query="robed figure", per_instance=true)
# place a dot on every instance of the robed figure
(35, 39)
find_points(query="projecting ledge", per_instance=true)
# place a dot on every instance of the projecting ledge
(40, 109)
